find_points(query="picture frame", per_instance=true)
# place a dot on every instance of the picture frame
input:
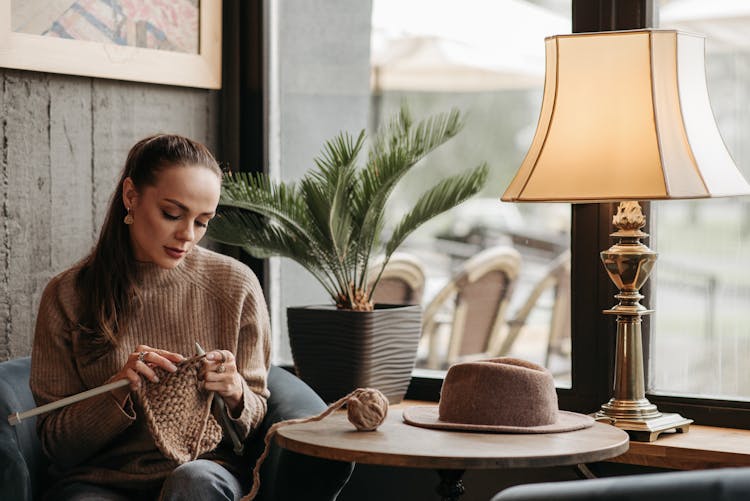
(110, 60)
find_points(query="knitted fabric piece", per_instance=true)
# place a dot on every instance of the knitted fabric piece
(178, 412)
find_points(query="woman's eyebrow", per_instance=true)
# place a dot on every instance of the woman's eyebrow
(185, 207)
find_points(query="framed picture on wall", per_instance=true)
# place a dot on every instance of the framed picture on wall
(174, 42)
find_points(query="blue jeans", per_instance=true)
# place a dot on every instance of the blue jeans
(199, 480)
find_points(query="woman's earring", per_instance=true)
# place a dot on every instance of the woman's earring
(128, 218)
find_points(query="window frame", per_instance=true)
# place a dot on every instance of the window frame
(592, 332)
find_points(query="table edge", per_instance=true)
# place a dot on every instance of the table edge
(436, 462)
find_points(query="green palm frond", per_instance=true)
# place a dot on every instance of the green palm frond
(395, 151)
(262, 239)
(442, 197)
(327, 194)
(276, 200)
(280, 204)
(330, 223)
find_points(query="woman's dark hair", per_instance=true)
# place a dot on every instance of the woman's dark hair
(106, 281)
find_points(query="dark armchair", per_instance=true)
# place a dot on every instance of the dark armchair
(726, 484)
(285, 475)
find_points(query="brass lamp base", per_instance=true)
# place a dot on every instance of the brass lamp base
(629, 263)
(649, 429)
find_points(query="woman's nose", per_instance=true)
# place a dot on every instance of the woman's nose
(186, 232)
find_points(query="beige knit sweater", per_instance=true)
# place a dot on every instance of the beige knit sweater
(208, 298)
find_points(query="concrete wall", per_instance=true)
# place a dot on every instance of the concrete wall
(318, 86)
(64, 141)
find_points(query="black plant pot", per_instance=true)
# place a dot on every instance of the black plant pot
(338, 351)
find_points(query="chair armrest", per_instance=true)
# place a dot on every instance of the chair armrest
(22, 462)
(290, 398)
(286, 475)
(15, 478)
(727, 484)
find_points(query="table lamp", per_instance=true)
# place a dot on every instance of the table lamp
(625, 117)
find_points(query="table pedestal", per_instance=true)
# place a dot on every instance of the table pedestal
(451, 487)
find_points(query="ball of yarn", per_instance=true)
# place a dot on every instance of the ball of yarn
(366, 408)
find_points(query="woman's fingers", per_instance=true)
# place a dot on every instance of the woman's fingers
(141, 363)
(169, 355)
(157, 359)
(225, 385)
(146, 371)
(219, 374)
(218, 362)
(220, 356)
(134, 378)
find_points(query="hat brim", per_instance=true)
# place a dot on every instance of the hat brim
(427, 417)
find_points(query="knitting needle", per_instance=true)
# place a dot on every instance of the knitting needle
(228, 426)
(17, 417)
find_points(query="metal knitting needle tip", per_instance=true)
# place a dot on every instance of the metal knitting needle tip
(199, 350)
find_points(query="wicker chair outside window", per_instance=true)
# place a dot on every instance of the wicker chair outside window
(557, 279)
(479, 292)
(402, 281)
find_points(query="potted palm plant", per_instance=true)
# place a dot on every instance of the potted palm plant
(331, 223)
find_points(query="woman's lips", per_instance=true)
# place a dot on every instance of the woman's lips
(174, 253)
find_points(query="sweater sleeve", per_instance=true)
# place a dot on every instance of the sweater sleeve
(253, 361)
(71, 434)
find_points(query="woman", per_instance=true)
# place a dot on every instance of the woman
(141, 300)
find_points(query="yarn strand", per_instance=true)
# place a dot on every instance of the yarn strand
(197, 446)
(366, 410)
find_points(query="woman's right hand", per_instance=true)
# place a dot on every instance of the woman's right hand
(141, 363)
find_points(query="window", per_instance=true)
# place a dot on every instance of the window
(487, 59)
(699, 284)
(702, 341)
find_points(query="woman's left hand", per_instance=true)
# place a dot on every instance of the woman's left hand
(220, 374)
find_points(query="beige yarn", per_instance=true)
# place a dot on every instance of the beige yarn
(178, 412)
(366, 409)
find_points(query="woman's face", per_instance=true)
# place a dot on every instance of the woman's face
(170, 217)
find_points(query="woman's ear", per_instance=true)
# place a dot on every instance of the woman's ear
(129, 193)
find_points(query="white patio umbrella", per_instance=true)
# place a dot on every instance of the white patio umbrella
(459, 46)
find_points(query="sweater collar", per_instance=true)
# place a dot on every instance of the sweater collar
(152, 275)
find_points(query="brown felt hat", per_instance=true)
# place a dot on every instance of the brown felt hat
(504, 395)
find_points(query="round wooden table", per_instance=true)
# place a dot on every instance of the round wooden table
(396, 443)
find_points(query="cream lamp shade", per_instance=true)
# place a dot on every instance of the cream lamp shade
(625, 116)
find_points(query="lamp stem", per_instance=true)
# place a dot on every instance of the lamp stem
(629, 396)
(629, 263)
(629, 360)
